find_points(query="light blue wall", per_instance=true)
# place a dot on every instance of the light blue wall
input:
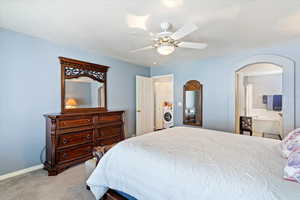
(30, 87)
(217, 75)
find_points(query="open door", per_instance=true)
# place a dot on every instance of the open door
(144, 105)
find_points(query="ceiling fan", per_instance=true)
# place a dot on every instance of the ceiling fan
(166, 41)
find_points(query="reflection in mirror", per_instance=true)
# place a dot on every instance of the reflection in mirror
(84, 92)
(192, 114)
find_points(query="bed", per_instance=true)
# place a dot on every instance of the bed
(194, 163)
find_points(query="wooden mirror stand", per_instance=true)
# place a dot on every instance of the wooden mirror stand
(79, 72)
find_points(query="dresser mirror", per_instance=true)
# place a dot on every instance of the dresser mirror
(83, 86)
(192, 103)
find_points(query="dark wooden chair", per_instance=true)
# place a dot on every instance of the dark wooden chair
(246, 125)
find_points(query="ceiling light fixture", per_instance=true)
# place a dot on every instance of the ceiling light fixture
(165, 49)
(166, 41)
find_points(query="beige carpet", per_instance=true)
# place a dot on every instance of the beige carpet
(38, 185)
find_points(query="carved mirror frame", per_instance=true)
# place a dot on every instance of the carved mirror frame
(71, 68)
(193, 85)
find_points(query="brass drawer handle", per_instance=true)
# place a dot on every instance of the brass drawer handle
(65, 155)
(65, 141)
(89, 150)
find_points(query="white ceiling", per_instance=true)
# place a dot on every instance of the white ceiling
(114, 27)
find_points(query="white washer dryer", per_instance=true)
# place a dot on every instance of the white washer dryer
(168, 117)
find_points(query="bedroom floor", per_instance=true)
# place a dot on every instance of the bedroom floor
(38, 185)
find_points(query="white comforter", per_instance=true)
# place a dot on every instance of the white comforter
(191, 163)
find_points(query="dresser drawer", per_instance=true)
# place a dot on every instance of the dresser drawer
(114, 130)
(75, 138)
(110, 118)
(71, 137)
(108, 141)
(74, 153)
(68, 123)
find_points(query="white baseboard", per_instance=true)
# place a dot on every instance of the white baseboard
(20, 172)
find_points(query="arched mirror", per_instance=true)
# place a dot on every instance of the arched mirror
(192, 103)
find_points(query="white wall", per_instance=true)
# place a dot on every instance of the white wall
(264, 85)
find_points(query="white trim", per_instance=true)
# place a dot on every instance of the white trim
(20, 172)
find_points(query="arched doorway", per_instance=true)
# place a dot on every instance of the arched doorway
(259, 99)
(288, 101)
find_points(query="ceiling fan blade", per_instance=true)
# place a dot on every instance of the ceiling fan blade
(185, 30)
(192, 45)
(142, 49)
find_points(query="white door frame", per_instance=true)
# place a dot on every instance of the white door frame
(173, 88)
(172, 76)
(288, 86)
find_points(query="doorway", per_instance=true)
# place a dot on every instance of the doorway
(288, 87)
(154, 103)
(259, 100)
(163, 101)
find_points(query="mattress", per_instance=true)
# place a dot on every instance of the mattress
(193, 163)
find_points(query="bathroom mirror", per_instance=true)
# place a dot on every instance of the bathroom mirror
(83, 86)
(192, 103)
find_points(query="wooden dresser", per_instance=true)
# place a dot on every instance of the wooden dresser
(70, 137)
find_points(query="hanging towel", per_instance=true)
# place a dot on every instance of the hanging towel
(265, 99)
(270, 102)
(277, 102)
